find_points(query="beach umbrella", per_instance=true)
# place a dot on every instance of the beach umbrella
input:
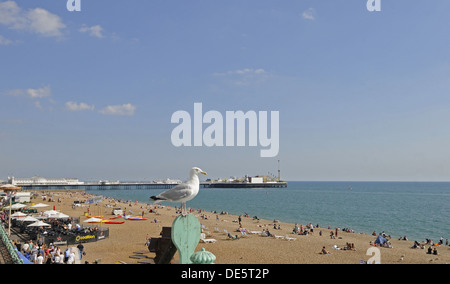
(93, 220)
(16, 206)
(39, 205)
(18, 215)
(50, 213)
(39, 224)
(29, 219)
(60, 215)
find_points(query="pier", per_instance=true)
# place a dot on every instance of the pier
(244, 185)
(99, 186)
(143, 185)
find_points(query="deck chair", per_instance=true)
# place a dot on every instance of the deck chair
(204, 240)
(244, 234)
(289, 238)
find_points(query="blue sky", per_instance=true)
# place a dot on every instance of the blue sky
(90, 94)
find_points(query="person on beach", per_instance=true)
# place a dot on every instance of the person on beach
(296, 229)
(71, 259)
(66, 255)
(80, 248)
(324, 251)
(39, 259)
(57, 259)
(435, 252)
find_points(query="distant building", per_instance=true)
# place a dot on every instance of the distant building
(44, 181)
(22, 197)
(256, 179)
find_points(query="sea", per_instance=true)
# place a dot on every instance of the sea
(417, 210)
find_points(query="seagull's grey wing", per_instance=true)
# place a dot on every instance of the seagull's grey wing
(178, 192)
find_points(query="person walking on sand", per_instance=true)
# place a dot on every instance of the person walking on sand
(80, 248)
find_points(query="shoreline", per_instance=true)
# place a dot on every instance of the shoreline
(419, 234)
(125, 239)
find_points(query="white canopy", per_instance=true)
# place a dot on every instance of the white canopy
(29, 219)
(59, 215)
(15, 206)
(93, 220)
(55, 214)
(39, 205)
(18, 215)
(39, 224)
(49, 213)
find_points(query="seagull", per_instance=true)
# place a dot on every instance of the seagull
(183, 192)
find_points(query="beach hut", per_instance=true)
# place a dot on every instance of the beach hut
(22, 197)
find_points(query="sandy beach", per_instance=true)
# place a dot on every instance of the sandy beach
(129, 237)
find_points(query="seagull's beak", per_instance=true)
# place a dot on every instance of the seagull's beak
(203, 173)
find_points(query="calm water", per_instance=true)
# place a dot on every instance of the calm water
(418, 210)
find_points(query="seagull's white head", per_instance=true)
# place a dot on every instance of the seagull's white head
(196, 171)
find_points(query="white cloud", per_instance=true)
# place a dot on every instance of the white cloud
(38, 105)
(39, 93)
(38, 20)
(244, 76)
(45, 23)
(126, 109)
(95, 31)
(309, 14)
(246, 71)
(10, 14)
(73, 106)
(36, 95)
(5, 41)
(32, 93)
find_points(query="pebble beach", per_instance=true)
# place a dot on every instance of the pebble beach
(283, 248)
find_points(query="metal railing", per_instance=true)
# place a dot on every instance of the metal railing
(6, 242)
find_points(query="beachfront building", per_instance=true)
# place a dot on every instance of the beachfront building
(38, 180)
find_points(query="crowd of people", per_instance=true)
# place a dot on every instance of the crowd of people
(39, 253)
